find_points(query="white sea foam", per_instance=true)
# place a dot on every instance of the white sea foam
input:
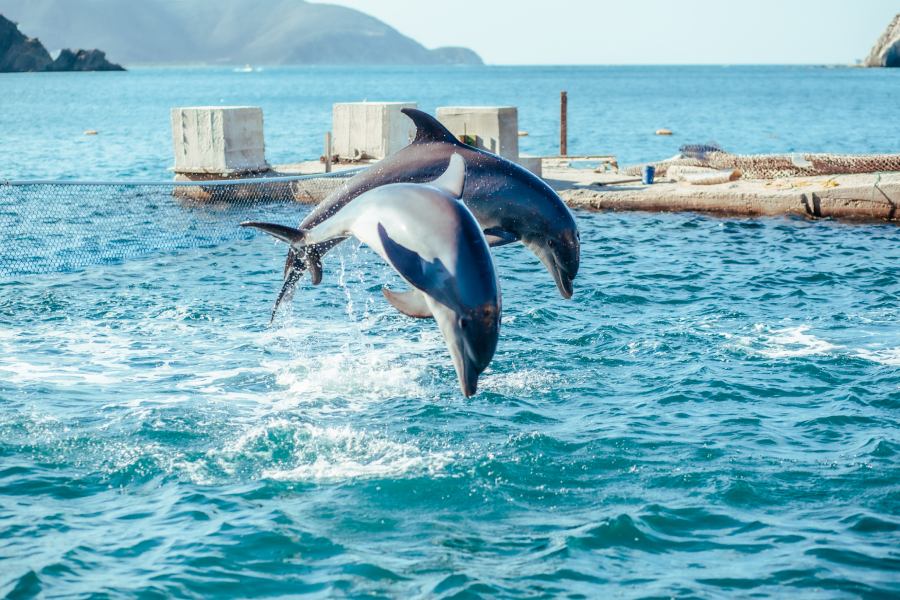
(886, 356)
(292, 451)
(329, 368)
(22, 372)
(530, 380)
(787, 342)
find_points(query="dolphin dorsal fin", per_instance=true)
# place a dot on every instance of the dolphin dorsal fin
(428, 129)
(454, 178)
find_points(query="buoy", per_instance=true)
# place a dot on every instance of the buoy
(91, 132)
(663, 132)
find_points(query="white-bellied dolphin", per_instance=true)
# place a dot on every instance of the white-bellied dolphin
(510, 203)
(432, 240)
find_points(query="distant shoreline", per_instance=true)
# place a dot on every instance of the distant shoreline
(263, 67)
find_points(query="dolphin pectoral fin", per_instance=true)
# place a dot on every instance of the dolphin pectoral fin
(429, 277)
(497, 236)
(292, 236)
(453, 179)
(411, 303)
(429, 129)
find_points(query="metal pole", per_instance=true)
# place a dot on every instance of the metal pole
(328, 152)
(563, 124)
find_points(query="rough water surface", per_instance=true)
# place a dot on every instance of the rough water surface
(714, 414)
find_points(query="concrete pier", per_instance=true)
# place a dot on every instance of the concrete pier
(227, 143)
(858, 197)
(863, 197)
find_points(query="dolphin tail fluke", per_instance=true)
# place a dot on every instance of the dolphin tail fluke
(294, 267)
(411, 303)
(294, 237)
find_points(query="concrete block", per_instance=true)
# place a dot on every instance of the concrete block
(491, 128)
(535, 164)
(219, 139)
(370, 129)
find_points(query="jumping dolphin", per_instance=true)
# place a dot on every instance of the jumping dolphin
(432, 240)
(510, 203)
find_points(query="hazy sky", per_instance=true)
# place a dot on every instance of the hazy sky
(643, 31)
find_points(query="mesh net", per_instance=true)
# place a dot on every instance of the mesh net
(48, 227)
(774, 166)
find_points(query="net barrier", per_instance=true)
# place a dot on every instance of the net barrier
(62, 226)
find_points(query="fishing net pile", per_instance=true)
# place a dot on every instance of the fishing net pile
(695, 158)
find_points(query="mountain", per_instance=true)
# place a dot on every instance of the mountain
(20, 54)
(224, 32)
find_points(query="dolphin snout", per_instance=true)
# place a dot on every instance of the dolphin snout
(471, 339)
(564, 283)
(563, 277)
(468, 380)
(467, 370)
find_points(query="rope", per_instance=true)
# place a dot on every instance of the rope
(775, 166)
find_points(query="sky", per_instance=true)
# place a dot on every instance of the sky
(643, 31)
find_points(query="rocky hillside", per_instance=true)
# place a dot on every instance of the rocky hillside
(19, 54)
(886, 52)
(235, 32)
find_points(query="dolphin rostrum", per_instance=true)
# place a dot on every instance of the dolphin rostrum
(432, 240)
(510, 203)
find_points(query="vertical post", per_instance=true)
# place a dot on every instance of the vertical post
(328, 152)
(563, 123)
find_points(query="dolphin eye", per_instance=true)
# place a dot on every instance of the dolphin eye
(551, 243)
(463, 322)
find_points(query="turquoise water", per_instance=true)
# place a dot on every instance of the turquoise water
(714, 414)
(611, 109)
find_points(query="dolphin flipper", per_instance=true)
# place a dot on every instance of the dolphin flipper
(411, 303)
(430, 277)
(497, 236)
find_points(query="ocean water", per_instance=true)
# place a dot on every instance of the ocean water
(714, 413)
(611, 110)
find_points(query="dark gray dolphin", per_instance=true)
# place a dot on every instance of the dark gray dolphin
(432, 240)
(510, 203)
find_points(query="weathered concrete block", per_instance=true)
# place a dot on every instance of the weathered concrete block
(370, 129)
(535, 164)
(219, 139)
(491, 128)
